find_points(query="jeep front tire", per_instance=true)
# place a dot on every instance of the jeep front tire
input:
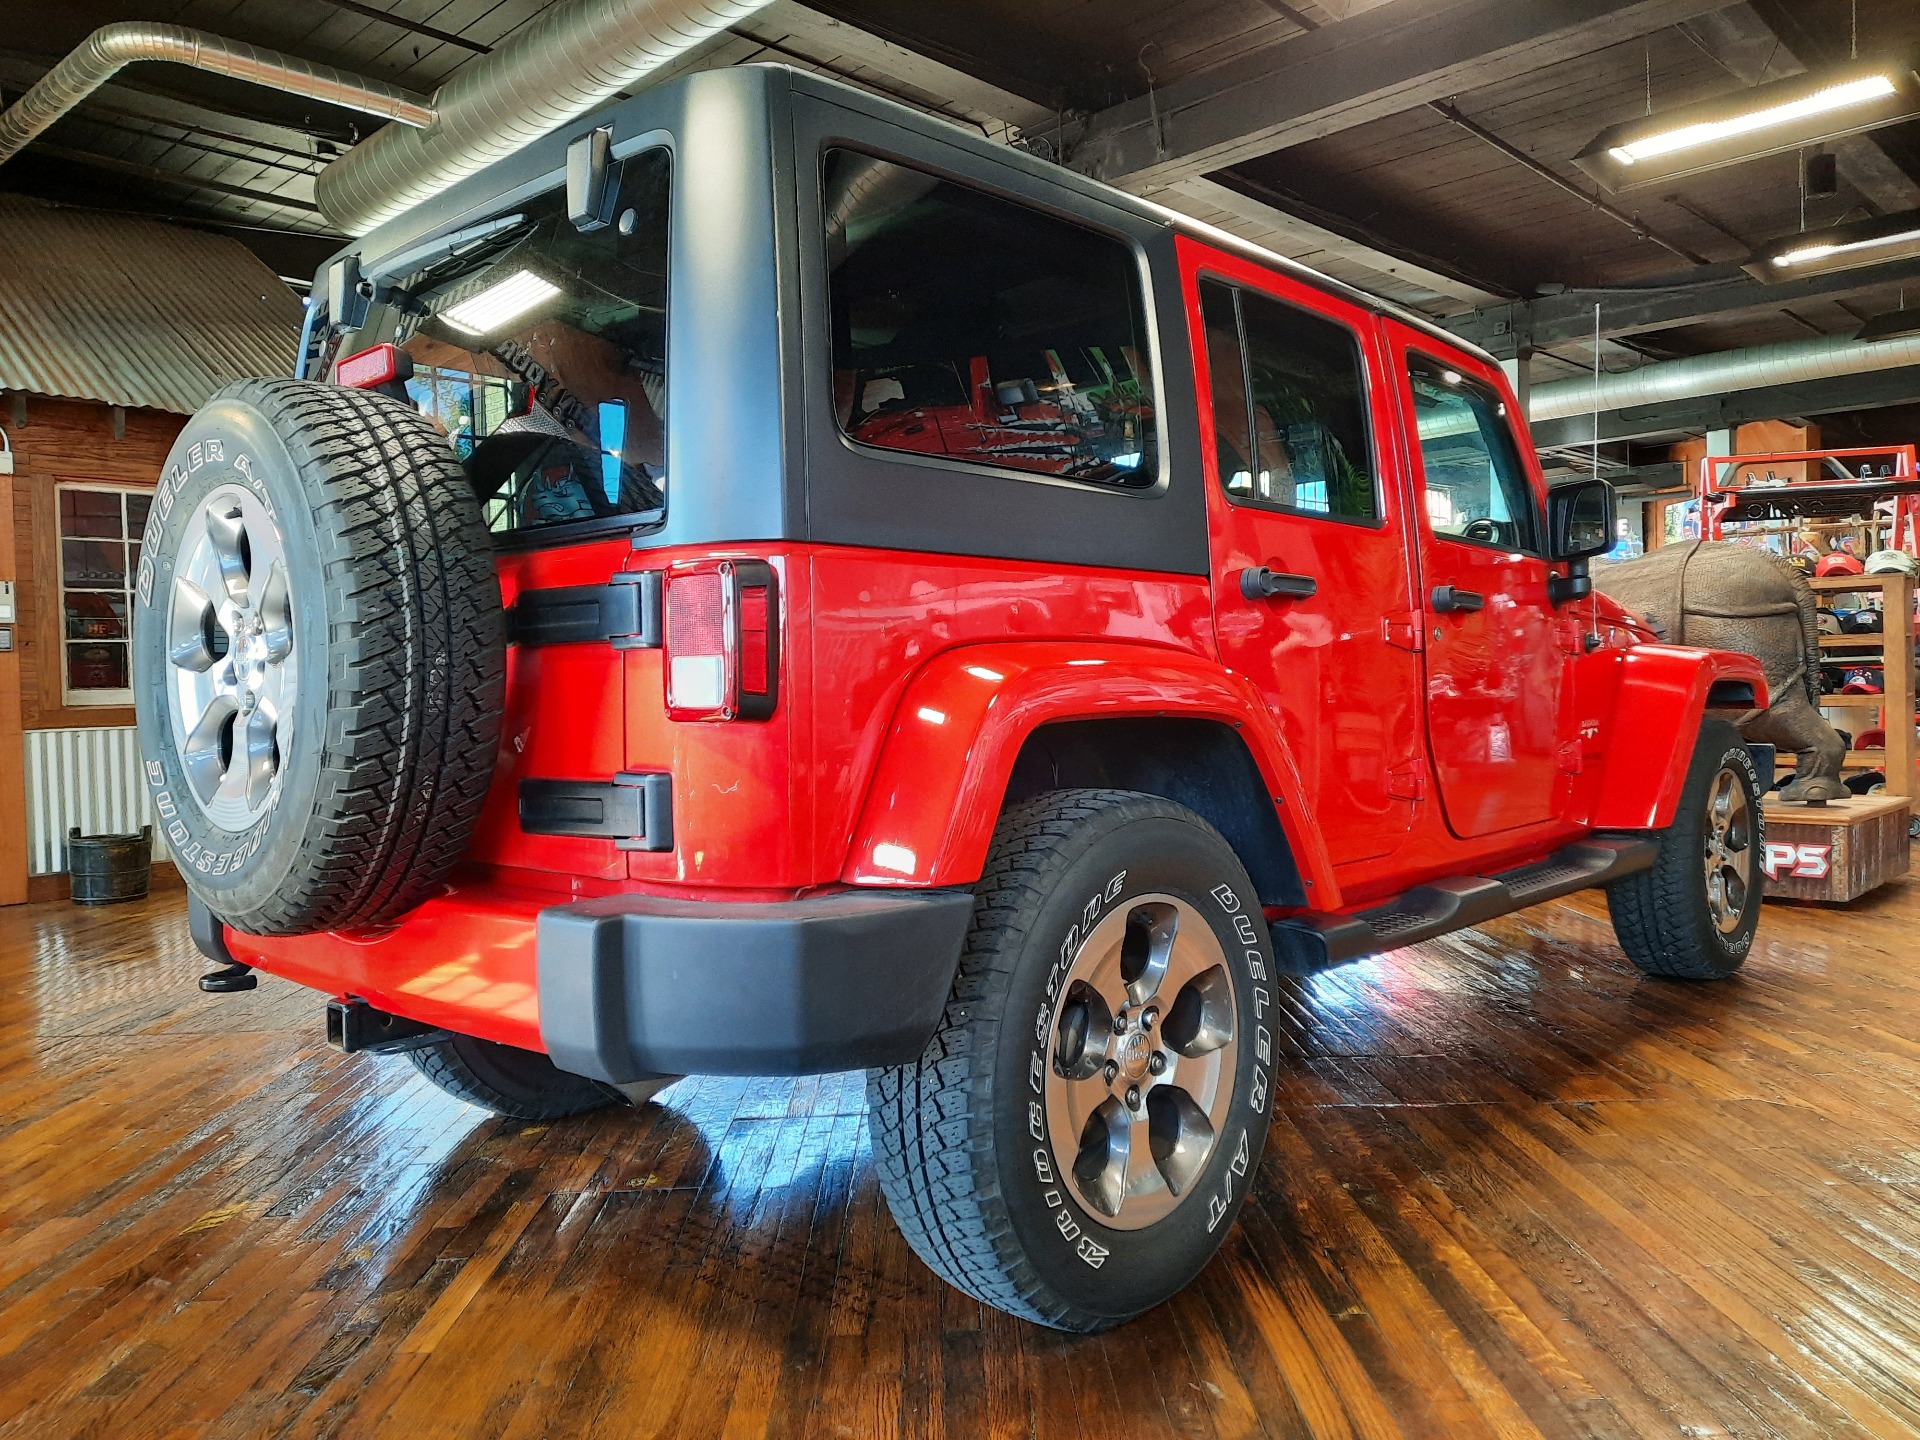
(1075, 1142)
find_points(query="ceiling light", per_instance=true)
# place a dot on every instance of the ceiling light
(1843, 247)
(1765, 120)
(497, 304)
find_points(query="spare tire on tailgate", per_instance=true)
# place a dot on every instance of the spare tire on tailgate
(318, 657)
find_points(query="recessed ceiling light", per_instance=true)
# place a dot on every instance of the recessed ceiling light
(1765, 120)
(500, 302)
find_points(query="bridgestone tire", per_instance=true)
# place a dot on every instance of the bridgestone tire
(379, 771)
(520, 1084)
(963, 1150)
(1662, 917)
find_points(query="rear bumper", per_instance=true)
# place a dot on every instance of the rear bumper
(632, 986)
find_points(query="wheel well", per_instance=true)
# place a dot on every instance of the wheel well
(1201, 764)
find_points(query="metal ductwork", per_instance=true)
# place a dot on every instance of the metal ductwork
(575, 56)
(102, 55)
(1723, 373)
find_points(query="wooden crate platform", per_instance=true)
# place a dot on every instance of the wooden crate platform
(1835, 852)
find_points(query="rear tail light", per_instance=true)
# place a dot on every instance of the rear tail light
(372, 368)
(722, 640)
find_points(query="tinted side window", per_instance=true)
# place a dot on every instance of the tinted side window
(1476, 484)
(1298, 433)
(968, 327)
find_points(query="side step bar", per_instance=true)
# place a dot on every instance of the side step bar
(1305, 944)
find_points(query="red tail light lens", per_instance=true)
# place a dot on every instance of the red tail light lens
(722, 640)
(372, 368)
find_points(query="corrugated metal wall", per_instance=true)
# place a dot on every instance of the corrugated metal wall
(89, 778)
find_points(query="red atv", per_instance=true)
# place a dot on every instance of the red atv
(584, 678)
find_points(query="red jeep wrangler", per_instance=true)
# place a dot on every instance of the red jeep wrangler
(763, 582)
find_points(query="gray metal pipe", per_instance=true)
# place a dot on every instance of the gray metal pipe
(573, 57)
(98, 58)
(1722, 373)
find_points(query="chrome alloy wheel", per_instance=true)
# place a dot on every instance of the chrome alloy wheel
(1143, 1059)
(1729, 851)
(231, 664)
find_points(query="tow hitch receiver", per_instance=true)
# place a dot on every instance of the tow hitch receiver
(357, 1027)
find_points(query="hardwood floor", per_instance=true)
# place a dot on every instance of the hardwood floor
(1512, 1190)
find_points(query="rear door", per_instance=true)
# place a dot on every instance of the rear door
(1312, 600)
(1495, 658)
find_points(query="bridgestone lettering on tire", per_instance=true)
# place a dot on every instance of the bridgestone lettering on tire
(318, 657)
(1078, 1137)
(1693, 915)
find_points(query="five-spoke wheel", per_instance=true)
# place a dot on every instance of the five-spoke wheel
(1729, 850)
(1143, 1060)
(232, 666)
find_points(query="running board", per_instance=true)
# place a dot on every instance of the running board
(1305, 944)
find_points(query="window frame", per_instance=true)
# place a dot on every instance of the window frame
(1369, 397)
(1538, 511)
(1142, 274)
(101, 698)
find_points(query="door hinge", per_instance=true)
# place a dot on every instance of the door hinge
(1409, 782)
(1403, 630)
(625, 611)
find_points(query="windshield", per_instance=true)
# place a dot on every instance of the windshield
(542, 350)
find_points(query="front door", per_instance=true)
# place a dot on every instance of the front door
(1494, 657)
(1312, 597)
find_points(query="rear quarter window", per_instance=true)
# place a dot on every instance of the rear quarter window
(972, 329)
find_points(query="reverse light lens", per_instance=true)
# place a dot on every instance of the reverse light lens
(505, 300)
(1707, 132)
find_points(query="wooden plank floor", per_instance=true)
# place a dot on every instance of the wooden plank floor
(1512, 1190)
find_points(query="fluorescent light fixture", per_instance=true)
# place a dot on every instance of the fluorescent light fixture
(500, 302)
(1843, 247)
(1705, 132)
(1765, 120)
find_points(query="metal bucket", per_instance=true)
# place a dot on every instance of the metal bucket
(106, 869)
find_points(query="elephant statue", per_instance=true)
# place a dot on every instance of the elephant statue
(1727, 596)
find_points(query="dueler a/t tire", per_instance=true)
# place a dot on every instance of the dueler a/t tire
(520, 1084)
(1668, 918)
(319, 734)
(981, 1180)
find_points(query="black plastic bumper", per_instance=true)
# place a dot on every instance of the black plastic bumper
(632, 986)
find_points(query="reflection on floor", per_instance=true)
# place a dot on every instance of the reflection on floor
(1512, 1189)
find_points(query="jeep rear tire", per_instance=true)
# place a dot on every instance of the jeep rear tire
(1077, 1138)
(1693, 915)
(520, 1084)
(318, 657)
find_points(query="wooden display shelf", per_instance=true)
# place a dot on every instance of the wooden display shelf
(1835, 852)
(1901, 754)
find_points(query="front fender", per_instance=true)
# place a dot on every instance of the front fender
(946, 759)
(1662, 697)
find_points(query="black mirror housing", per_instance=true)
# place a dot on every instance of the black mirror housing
(1580, 520)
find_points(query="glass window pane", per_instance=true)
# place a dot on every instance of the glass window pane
(973, 328)
(1232, 430)
(90, 512)
(137, 508)
(1311, 446)
(94, 564)
(1476, 485)
(527, 345)
(96, 615)
(97, 665)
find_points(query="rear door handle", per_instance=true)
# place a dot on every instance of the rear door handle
(1446, 598)
(1257, 582)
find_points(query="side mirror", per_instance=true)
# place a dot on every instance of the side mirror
(1579, 526)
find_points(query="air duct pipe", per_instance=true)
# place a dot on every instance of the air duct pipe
(573, 57)
(102, 55)
(1722, 373)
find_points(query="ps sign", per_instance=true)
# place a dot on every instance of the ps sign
(1801, 862)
